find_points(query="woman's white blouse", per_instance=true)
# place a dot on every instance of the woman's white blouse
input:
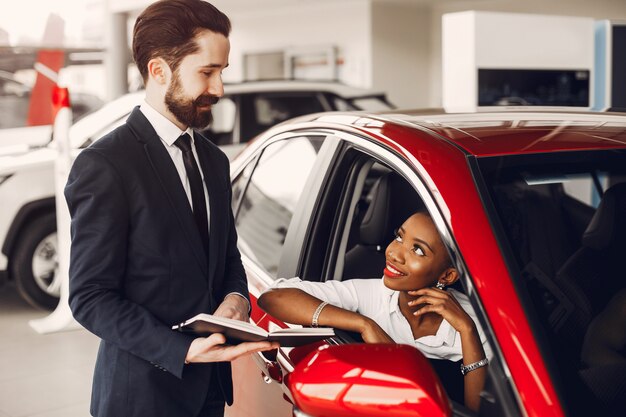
(371, 298)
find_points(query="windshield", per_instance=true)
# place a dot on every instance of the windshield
(561, 222)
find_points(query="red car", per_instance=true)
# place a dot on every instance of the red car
(532, 209)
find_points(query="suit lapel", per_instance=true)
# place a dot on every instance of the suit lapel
(166, 173)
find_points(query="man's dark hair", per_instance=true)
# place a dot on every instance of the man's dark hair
(167, 29)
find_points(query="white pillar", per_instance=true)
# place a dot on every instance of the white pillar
(61, 318)
(117, 54)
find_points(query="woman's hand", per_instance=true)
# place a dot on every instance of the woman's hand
(373, 333)
(443, 303)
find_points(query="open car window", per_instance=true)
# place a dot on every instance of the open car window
(561, 219)
(364, 201)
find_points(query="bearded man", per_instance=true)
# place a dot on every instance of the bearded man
(153, 236)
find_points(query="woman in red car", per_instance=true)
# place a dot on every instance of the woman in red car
(410, 305)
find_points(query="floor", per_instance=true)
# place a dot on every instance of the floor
(42, 375)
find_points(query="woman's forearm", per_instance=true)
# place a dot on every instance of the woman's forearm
(474, 381)
(295, 306)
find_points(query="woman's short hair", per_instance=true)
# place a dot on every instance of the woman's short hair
(167, 29)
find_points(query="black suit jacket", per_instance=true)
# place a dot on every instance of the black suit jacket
(138, 267)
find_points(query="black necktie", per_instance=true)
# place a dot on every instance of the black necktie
(197, 188)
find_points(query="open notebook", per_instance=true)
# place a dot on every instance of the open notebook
(237, 331)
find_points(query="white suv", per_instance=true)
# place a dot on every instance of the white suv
(28, 219)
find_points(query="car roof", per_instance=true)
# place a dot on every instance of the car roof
(496, 133)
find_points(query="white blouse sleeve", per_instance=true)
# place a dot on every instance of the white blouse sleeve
(341, 294)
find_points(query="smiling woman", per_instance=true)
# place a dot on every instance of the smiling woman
(409, 305)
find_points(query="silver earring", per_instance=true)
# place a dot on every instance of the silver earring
(440, 285)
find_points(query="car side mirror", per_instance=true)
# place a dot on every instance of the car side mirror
(367, 379)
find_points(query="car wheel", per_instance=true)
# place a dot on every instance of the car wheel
(34, 264)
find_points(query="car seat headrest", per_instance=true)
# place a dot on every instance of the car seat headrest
(393, 201)
(607, 227)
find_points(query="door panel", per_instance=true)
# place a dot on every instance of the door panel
(255, 392)
(256, 398)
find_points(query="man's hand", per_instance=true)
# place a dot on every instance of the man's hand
(212, 349)
(233, 307)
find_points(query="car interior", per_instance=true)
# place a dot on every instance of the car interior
(385, 202)
(569, 254)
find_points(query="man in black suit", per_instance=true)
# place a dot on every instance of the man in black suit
(153, 237)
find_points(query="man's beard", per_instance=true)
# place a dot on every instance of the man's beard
(186, 109)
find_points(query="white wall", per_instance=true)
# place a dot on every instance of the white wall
(393, 45)
(344, 24)
(127, 5)
(597, 9)
(459, 62)
(400, 49)
(495, 40)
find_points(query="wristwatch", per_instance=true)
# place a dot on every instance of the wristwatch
(473, 366)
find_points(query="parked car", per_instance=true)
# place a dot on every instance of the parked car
(27, 219)
(532, 210)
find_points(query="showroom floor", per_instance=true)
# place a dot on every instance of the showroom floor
(42, 375)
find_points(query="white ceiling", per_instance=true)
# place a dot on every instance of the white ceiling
(247, 5)
(243, 6)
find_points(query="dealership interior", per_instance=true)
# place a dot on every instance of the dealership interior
(429, 56)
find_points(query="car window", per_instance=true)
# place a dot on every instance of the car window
(261, 111)
(384, 201)
(270, 198)
(371, 104)
(14, 104)
(364, 201)
(240, 183)
(565, 241)
(221, 129)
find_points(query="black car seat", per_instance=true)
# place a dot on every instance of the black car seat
(595, 272)
(590, 278)
(539, 225)
(393, 200)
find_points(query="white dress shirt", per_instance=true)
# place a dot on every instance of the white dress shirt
(371, 298)
(168, 133)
